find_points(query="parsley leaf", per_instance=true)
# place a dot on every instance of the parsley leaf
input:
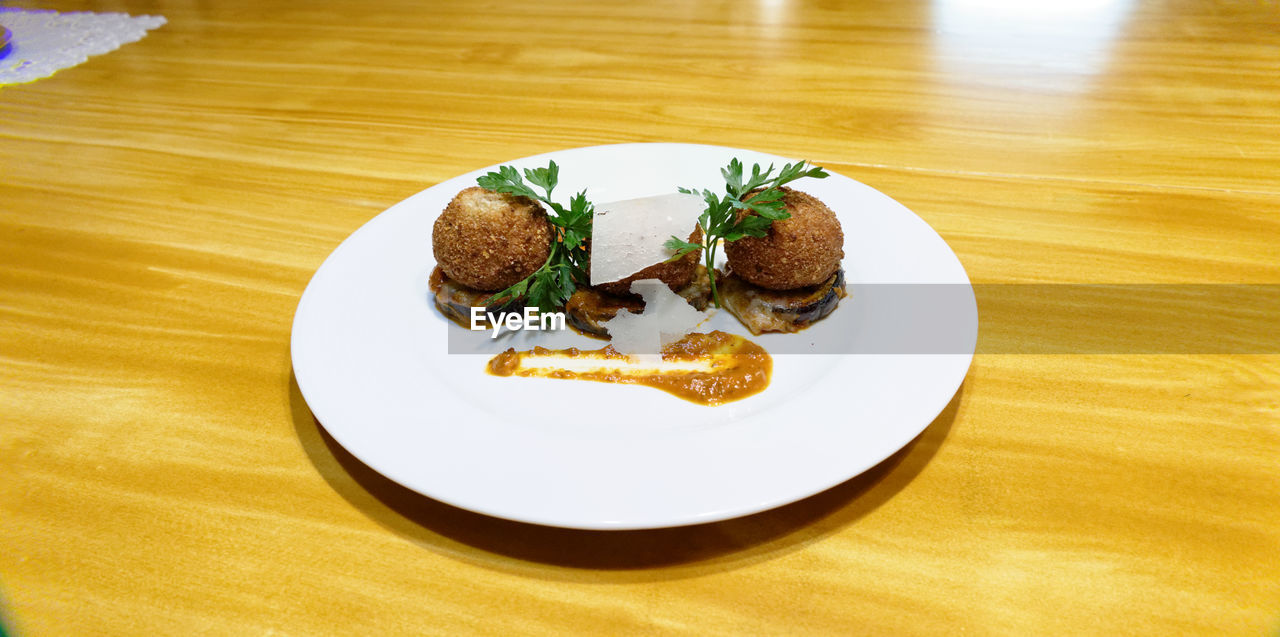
(747, 209)
(566, 266)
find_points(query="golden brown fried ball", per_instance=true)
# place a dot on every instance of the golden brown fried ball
(797, 252)
(489, 241)
(677, 274)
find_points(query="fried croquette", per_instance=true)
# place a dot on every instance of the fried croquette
(489, 241)
(676, 274)
(797, 252)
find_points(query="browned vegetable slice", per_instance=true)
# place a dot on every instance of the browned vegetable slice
(456, 300)
(589, 308)
(763, 310)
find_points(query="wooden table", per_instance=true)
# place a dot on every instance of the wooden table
(163, 206)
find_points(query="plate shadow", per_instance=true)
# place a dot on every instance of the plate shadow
(632, 555)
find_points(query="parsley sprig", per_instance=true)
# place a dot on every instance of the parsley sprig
(739, 213)
(566, 267)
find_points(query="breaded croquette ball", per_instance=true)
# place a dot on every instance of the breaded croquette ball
(676, 274)
(797, 252)
(489, 241)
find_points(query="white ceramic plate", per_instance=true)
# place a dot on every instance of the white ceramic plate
(371, 357)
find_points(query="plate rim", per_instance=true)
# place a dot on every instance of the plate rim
(344, 440)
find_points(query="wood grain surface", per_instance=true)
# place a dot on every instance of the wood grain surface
(163, 206)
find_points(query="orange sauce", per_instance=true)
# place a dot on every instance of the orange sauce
(436, 281)
(730, 367)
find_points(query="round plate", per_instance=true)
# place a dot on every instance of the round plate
(371, 355)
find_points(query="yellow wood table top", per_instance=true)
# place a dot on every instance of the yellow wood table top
(163, 206)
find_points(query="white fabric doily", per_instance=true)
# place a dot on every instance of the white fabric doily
(45, 42)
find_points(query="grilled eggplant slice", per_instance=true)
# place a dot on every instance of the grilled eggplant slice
(763, 310)
(589, 308)
(456, 300)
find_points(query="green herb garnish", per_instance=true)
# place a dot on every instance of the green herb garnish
(566, 267)
(738, 213)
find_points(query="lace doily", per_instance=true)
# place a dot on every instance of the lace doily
(45, 42)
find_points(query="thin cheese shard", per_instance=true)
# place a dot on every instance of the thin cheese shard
(667, 317)
(628, 236)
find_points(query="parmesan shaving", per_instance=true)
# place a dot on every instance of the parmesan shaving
(667, 317)
(629, 236)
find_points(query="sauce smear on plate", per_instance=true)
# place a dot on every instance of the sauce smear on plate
(708, 369)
